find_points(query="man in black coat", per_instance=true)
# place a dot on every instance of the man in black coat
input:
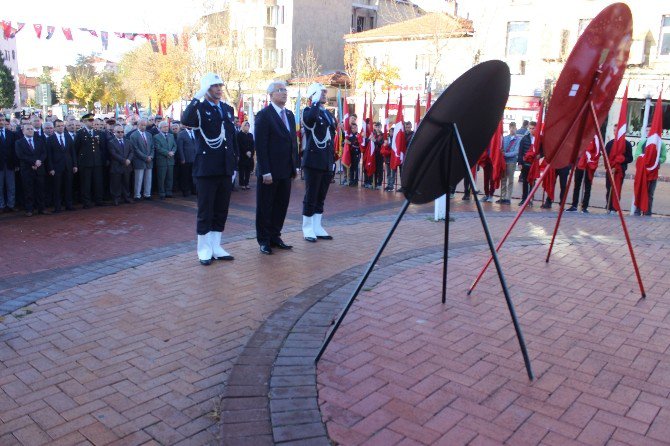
(214, 164)
(121, 154)
(90, 146)
(317, 162)
(9, 164)
(62, 164)
(619, 165)
(187, 145)
(245, 145)
(277, 164)
(32, 154)
(524, 145)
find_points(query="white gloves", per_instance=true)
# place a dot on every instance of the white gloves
(200, 94)
(314, 92)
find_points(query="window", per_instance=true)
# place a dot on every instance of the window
(422, 62)
(281, 58)
(583, 23)
(282, 15)
(664, 47)
(372, 22)
(360, 24)
(272, 15)
(517, 38)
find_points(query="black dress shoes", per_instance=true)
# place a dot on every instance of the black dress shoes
(206, 262)
(265, 249)
(279, 243)
(228, 257)
(324, 237)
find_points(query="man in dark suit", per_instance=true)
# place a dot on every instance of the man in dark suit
(214, 164)
(62, 164)
(121, 154)
(32, 155)
(90, 146)
(9, 164)
(186, 148)
(317, 162)
(277, 159)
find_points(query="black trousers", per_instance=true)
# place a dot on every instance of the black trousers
(562, 175)
(609, 195)
(213, 201)
(379, 169)
(524, 179)
(581, 175)
(119, 185)
(317, 183)
(186, 182)
(353, 168)
(62, 183)
(91, 178)
(244, 173)
(271, 207)
(33, 190)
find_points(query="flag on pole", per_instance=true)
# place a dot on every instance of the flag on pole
(617, 154)
(116, 111)
(250, 116)
(646, 166)
(163, 40)
(154, 43)
(19, 27)
(369, 159)
(160, 109)
(7, 29)
(398, 143)
(417, 112)
(240, 111)
(497, 157)
(429, 100)
(127, 110)
(175, 37)
(533, 154)
(346, 155)
(137, 110)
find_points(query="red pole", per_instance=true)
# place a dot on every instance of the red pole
(608, 167)
(560, 211)
(509, 230)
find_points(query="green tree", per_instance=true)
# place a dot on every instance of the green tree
(163, 79)
(385, 74)
(7, 85)
(114, 93)
(83, 84)
(45, 78)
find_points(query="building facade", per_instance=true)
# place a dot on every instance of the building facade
(10, 57)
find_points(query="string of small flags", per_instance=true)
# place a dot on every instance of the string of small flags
(158, 41)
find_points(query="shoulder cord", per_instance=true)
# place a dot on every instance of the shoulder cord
(213, 143)
(320, 143)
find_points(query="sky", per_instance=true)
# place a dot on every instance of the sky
(141, 17)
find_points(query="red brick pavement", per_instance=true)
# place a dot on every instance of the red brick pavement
(142, 354)
(404, 369)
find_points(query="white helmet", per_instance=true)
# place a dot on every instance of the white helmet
(314, 88)
(208, 80)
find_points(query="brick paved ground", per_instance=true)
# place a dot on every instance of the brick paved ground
(130, 340)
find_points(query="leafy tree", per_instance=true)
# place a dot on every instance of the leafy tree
(7, 85)
(114, 92)
(83, 84)
(155, 77)
(385, 74)
(45, 78)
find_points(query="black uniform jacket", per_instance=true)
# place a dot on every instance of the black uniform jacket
(321, 123)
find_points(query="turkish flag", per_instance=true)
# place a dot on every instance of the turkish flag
(38, 30)
(428, 100)
(67, 32)
(533, 154)
(589, 159)
(398, 142)
(240, 111)
(7, 28)
(647, 164)
(163, 39)
(617, 153)
(369, 157)
(417, 112)
(497, 157)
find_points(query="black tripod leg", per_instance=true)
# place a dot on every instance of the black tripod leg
(362, 281)
(446, 186)
(501, 276)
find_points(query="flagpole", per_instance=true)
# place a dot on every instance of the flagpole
(608, 168)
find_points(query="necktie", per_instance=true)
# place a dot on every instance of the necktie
(30, 142)
(144, 138)
(60, 140)
(285, 119)
(121, 142)
(2, 133)
(190, 133)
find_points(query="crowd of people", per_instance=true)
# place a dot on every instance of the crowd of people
(53, 163)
